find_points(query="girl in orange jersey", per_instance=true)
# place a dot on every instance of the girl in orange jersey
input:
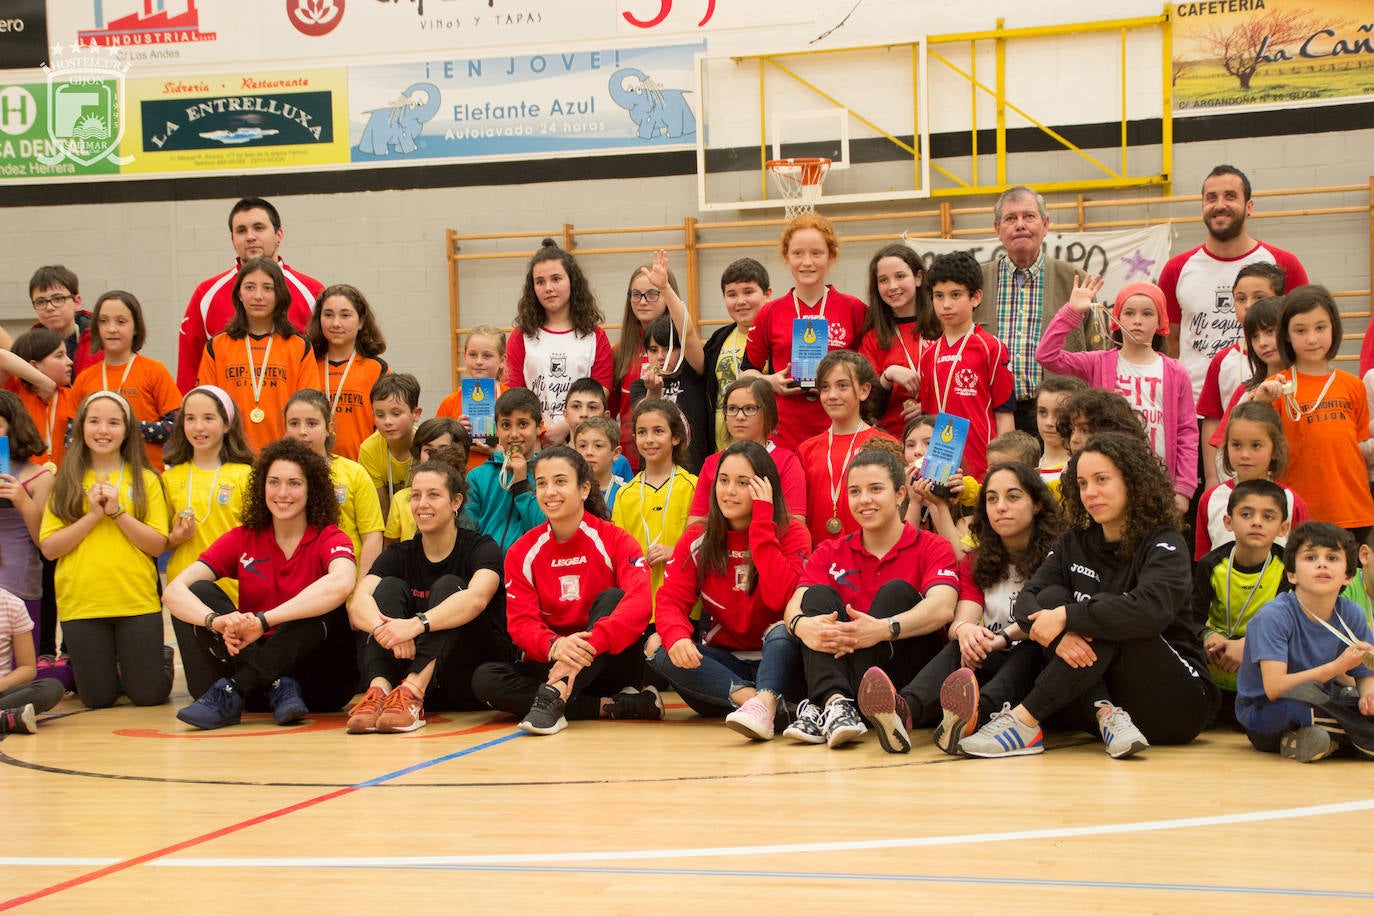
(259, 358)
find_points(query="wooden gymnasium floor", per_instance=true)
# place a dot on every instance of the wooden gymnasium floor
(127, 810)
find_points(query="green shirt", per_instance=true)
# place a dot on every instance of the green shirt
(1357, 593)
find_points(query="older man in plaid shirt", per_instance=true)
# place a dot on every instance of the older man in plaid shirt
(1022, 289)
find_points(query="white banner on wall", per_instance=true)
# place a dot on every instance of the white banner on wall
(574, 102)
(1119, 257)
(184, 34)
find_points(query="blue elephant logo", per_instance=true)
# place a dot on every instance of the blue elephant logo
(657, 111)
(400, 123)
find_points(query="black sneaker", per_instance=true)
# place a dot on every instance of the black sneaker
(546, 713)
(21, 720)
(634, 704)
(219, 706)
(843, 723)
(285, 698)
(809, 726)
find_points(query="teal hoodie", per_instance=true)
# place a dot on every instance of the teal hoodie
(501, 514)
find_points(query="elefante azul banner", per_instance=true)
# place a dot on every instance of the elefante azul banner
(569, 102)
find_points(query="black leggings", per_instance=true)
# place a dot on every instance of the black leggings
(47, 615)
(316, 652)
(110, 652)
(511, 686)
(44, 694)
(1170, 699)
(827, 675)
(456, 653)
(1004, 677)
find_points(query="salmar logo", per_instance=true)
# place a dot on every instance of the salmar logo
(85, 104)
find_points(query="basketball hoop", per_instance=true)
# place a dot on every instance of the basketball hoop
(798, 182)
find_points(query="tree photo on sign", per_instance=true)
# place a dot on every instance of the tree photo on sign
(1272, 51)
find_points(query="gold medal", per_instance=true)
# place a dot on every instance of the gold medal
(1369, 660)
(834, 526)
(910, 404)
(257, 414)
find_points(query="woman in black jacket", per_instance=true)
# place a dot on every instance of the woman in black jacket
(1110, 607)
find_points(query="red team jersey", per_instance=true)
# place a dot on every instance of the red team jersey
(550, 587)
(905, 350)
(970, 378)
(736, 617)
(768, 348)
(265, 575)
(920, 557)
(827, 497)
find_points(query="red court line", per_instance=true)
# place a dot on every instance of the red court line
(168, 850)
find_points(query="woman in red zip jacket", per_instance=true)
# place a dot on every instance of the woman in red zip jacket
(577, 607)
(742, 563)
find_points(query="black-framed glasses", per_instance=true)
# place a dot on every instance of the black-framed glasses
(742, 410)
(52, 302)
(651, 296)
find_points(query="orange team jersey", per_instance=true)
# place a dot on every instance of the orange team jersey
(290, 366)
(452, 406)
(148, 387)
(352, 405)
(51, 418)
(1325, 466)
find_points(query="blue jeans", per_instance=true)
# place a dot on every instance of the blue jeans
(707, 688)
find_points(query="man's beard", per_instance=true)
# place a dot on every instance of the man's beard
(1232, 231)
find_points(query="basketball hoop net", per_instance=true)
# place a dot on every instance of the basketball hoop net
(798, 182)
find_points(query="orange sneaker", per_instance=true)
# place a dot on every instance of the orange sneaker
(362, 718)
(402, 711)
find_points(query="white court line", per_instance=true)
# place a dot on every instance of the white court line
(621, 856)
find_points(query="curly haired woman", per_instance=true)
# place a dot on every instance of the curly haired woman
(1110, 607)
(291, 561)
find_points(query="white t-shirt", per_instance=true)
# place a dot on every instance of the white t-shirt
(998, 601)
(553, 361)
(1143, 387)
(1197, 289)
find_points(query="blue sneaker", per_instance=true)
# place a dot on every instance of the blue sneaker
(1004, 736)
(287, 705)
(219, 706)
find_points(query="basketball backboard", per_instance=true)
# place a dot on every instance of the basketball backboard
(864, 108)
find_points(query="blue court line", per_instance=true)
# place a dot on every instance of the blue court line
(397, 774)
(866, 876)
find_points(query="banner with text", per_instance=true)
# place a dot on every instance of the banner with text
(1232, 54)
(236, 122)
(188, 34)
(1118, 257)
(569, 103)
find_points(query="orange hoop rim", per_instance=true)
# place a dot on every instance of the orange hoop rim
(810, 169)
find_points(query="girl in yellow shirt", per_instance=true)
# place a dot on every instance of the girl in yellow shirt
(105, 523)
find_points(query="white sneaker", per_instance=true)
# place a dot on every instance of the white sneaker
(1119, 733)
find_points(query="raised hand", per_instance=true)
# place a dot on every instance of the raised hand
(1084, 295)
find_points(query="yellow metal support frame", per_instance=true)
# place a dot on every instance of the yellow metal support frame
(1000, 35)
